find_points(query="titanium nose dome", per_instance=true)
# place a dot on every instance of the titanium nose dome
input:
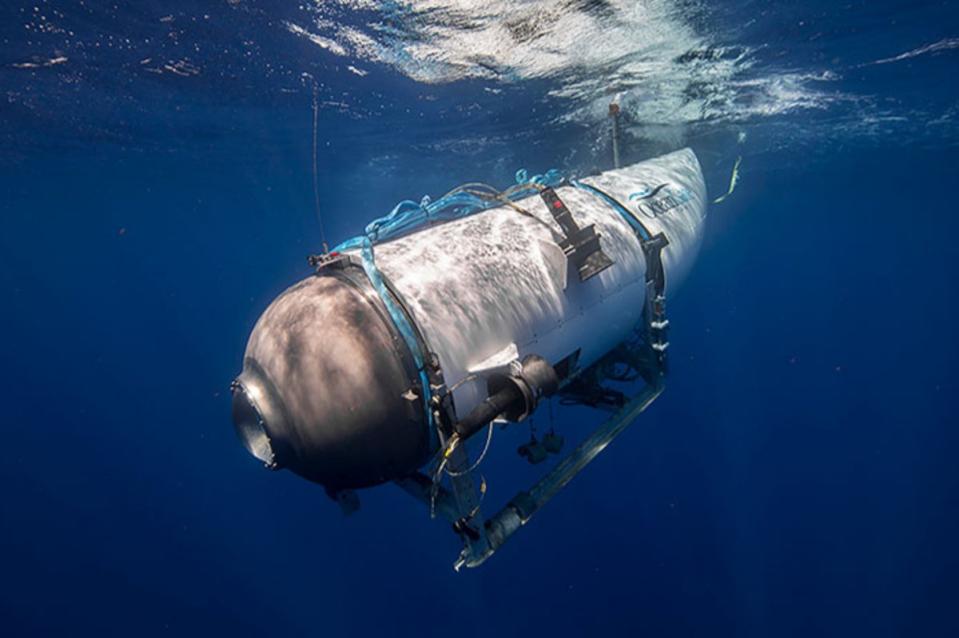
(328, 387)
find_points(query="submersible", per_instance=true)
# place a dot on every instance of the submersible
(445, 317)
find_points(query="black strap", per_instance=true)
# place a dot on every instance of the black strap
(560, 212)
(581, 245)
(653, 251)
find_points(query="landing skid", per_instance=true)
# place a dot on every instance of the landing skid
(460, 503)
(483, 537)
(502, 525)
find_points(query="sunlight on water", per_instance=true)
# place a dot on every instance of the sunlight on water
(681, 70)
(667, 73)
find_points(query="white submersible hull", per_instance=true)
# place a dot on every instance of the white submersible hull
(396, 351)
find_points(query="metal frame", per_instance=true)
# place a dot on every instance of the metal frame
(488, 535)
(460, 505)
(521, 508)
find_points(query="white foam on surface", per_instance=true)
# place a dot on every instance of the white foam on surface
(665, 72)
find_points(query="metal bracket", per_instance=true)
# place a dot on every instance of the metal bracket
(333, 259)
(581, 245)
(501, 526)
(460, 505)
(654, 314)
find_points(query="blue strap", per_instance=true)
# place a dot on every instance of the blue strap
(399, 317)
(637, 226)
(406, 217)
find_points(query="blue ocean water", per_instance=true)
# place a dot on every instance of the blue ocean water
(798, 477)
